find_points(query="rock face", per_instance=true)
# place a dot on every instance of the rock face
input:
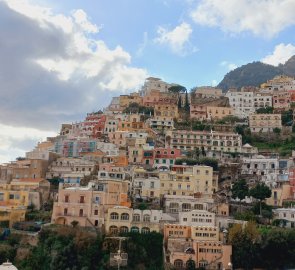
(256, 73)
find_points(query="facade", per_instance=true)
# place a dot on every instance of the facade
(208, 92)
(262, 100)
(187, 181)
(209, 141)
(264, 122)
(198, 243)
(87, 205)
(166, 110)
(152, 83)
(197, 218)
(241, 102)
(161, 123)
(281, 100)
(215, 113)
(287, 214)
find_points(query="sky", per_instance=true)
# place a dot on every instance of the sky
(62, 59)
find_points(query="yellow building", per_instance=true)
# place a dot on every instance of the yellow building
(188, 181)
(10, 214)
(13, 197)
(166, 110)
(126, 100)
(214, 113)
(264, 122)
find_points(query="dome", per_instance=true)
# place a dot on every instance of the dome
(7, 266)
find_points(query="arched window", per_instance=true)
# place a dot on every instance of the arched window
(134, 229)
(124, 229)
(178, 264)
(136, 217)
(145, 230)
(173, 207)
(146, 218)
(113, 229)
(125, 216)
(114, 216)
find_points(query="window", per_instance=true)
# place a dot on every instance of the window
(96, 212)
(65, 211)
(81, 213)
(67, 198)
(114, 216)
(136, 217)
(146, 218)
(125, 216)
(11, 196)
(1, 196)
(82, 199)
(145, 230)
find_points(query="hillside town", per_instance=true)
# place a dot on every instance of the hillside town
(199, 167)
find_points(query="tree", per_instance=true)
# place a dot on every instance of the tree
(177, 89)
(265, 110)
(260, 192)
(277, 131)
(186, 103)
(240, 190)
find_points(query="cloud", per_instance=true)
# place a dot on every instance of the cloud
(177, 39)
(282, 52)
(15, 141)
(261, 17)
(53, 70)
(228, 65)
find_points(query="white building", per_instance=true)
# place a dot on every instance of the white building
(262, 101)
(197, 218)
(287, 214)
(267, 167)
(161, 123)
(152, 83)
(241, 102)
(109, 148)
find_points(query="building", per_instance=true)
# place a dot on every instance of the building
(216, 113)
(165, 157)
(123, 219)
(152, 83)
(188, 180)
(197, 218)
(264, 122)
(287, 214)
(198, 243)
(87, 205)
(161, 123)
(262, 100)
(166, 110)
(241, 102)
(208, 92)
(281, 101)
(206, 140)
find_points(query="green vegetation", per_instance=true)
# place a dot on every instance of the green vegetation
(265, 110)
(136, 108)
(268, 248)
(201, 161)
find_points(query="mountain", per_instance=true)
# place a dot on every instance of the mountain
(256, 73)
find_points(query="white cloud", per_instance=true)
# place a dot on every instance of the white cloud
(261, 17)
(280, 55)
(228, 65)
(55, 68)
(15, 141)
(177, 39)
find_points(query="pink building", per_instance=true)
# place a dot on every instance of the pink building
(87, 205)
(165, 157)
(281, 100)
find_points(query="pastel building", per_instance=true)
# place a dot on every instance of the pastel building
(198, 243)
(207, 140)
(123, 219)
(87, 205)
(188, 180)
(287, 214)
(166, 110)
(264, 122)
(165, 157)
(215, 113)
(281, 100)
